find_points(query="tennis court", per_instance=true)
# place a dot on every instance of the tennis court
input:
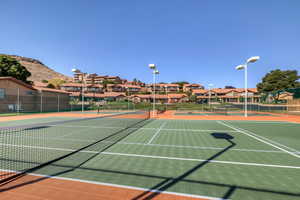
(212, 159)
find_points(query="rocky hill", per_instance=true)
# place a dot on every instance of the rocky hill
(38, 70)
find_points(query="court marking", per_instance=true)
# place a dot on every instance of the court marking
(259, 139)
(204, 148)
(120, 186)
(166, 157)
(157, 132)
(164, 129)
(294, 150)
(202, 160)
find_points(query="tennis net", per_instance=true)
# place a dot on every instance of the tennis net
(27, 148)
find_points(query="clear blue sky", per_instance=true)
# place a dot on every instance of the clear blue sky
(194, 40)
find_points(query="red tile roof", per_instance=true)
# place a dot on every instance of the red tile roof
(17, 81)
(130, 86)
(222, 91)
(200, 91)
(241, 90)
(177, 96)
(50, 90)
(192, 85)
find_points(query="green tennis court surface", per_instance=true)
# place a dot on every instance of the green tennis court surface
(221, 159)
(33, 121)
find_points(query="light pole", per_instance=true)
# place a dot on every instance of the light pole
(82, 87)
(245, 67)
(154, 72)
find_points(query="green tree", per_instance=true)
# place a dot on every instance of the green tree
(277, 80)
(105, 82)
(11, 67)
(193, 98)
(56, 82)
(50, 85)
(180, 83)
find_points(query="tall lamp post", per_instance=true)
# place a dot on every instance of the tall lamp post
(245, 67)
(82, 87)
(154, 72)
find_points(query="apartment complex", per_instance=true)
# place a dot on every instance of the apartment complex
(160, 98)
(79, 87)
(191, 87)
(166, 87)
(95, 78)
(226, 95)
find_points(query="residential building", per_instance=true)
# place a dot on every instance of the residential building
(227, 95)
(96, 97)
(115, 79)
(190, 87)
(115, 88)
(159, 98)
(79, 77)
(90, 78)
(163, 87)
(99, 79)
(95, 78)
(77, 87)
(16, 95)
(131, 89)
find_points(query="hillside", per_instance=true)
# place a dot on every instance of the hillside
(38, 70)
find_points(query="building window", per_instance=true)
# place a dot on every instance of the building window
(2, 93)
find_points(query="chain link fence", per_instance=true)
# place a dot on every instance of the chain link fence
(18, 100)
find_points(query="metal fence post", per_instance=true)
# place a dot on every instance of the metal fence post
(58, 103)
(41, 106)
(18, 109)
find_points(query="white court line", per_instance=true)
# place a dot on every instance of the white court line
(163, 157)
(198, 130)
(259, 139)
(204, 148)
(157, 132)
(166, 129)
(119, 186)
(202, 160)
(264, 138)
(292, 149)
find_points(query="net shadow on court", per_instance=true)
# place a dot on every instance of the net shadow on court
(18, 162)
